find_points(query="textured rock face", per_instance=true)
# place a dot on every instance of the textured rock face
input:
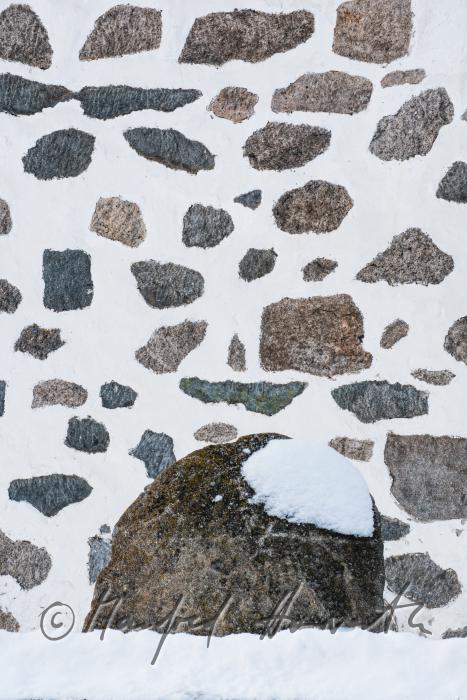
(67, 280)
(259, 397)
(375, 31)
(21, 96)
(245, 35)
(169, 345)
(8, 622)
(403, 77)
(440, 377)
(99, 556)
(455, 342)
(166, 285)
(156, 450)
(10, 297)
(361, 450)
(318, 206)
(87, 435)
(206, 227)
(115, 395)
(461, 632)
(112, 101)
(319, 335)
(122, 30)
(5, 218)
(51, 493)
(119, 220)
(318, 269)
(393, 529)
(428, 475)
(57, 392)
(27, 564)
(235, 104)
(216, 433)
(64, 153)
(420, 579)
(453, 186)
(170, 148)
(279, 146)
(236, 355)
(39, 342)
(411, 258)
(394, 332)
(372, 401)
(413, 130)
(333, 91)
(252, 199)
(23, 37)
(256, 263)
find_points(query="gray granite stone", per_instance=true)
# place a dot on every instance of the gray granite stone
(156, 450)
(280, 146)
(371, 401)
(393, 529)
(420, 579)
(459, 633)
(50, 493)
(360, 450)
(67, 279)
(10, 297)
(318, 206)
(8, 621)
(27, 564)
(23, 37)
(333, 91)
(21, 96)
(5, 218)
(216, 433)
(403, 77)
(440, 377)
(168, 346)
(234, 103)
(206, 227)
(119, 220)
(251, 199)
(100, 550)
(39, 342)
(393, 332)
(87, 435)
(236, 355)
(110, 101)
(57, 392)
(63, 153)
(453, 186)
(167, 285)
(170, 148)
(318, 269)
(256, 263)
(115, 395)
(455, 342)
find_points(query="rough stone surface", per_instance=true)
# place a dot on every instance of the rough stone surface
(179, 539)
(251, 199)
(394, 332)
(168, 346)
(216, 433)
(23, 37)
(393, 529)
(63, 153)
(10, 297)
(167, 285)
(156, 450)
(259, 397)
(318, 269)
(57, 392)
(333, 91)
(318, 206)
(87, 435)
(256, 263)
(39, 342)
(5, 218)
(110, 101)
(119, 220)
(206, 227)
(122, 30)
(375, 31)
(403, 77)
(461, 632)
(411, 258)
(51, 493)
(453, 186)
(455, 342)
(234, 103)
(100, 550)
(413, 130)
(21, 96)
(371, 401)
(428, 475)
(360, 450)
(2, 396)
(420, 579)
(245, 35)
(67, 279)
(236, 355)
(115, 395)
(319, 335)
(440, 377)
(27, 564)
(279, 146)
(170, 148)
(8, 622)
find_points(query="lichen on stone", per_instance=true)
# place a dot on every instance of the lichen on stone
(280, 146)
(333, 91)
(39, 342)
(318, 206)
(63, 153)
(167, 285)
(234, 103)
(119, 220)
(23, 37)
(170, 148)
(50, 493)
(206, 227)
(168, 346)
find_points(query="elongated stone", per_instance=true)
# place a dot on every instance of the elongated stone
(23, 37)
(2, 396)
(394, 332)
(318, 206)
(170, 148)
(64, 153)
(216, 433)
(279, 146)
(168, 346)
(110, 101)
(100, 550)
(361, 450)
(5, 218)
(58, 392)
(236, 355)
(333, 91)
(251, 199)
(122, 30)
(372, 401)
(51, 493)
(403, 77)
(440, 377)
(21, 96)
(419, 578)
(167, 285)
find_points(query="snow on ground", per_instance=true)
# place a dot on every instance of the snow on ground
(308, 482)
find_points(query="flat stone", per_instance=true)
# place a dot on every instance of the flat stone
(100, 550)
(27, 564)
(375, 31)
(167, 285)
(21, 96)
(170, 148)
(67, 279)
(455, 342)
(460, 632)
(394, 332)
(23, 37)
(234, 103)
(58, 392)
(2, 396)
(372, 401)
(453, 186)
(318, 269)
(403, 77)
(5, 218)
(428, 475)
(206, 227)
(411, 258)
(115, 395)
(414, 128)
(8, 621)
(61, 154)
(393, 529)
(10, 297)
(332, 91)
(87, 435)
(318, 206)
(39, 342)
(319, 335)
(256, 263)
(420, 579)
(252, 199)
(110, 101)
(440, 377)
(236, 355)
(119, 220)
(216, 433)
(168, 346)
(156, 450)
(245, 35)
(280, 146)
(51, 493)
(123, 30)
(259, 397)
(360, 450)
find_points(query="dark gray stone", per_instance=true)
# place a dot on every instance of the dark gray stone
(168, 346)
(318, 206)
(371, 401)
(87, 435)
(360, 450)
(455, 342)
(23, 37)
(461, 633)
(115, 395)
(333, 91)
(64, 153)
(206, 227)
(256, 263)
(10, 297)
(453, 186)
(5, 218)
(318, 269)
(393, 529)
(156, 450)
(403, 77)
(170, 148)
(100, 551)
(105, 529)
(393, 332)
(2, 396)
(51, 493)
(67, 279)
(167, 285)
(27, 564)
(111, 101)
(259, 397)
(279, 146)
(420, 579)
(39, 342)
(21, 96)
(252, 199)
(440, 377)
(236, 355)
